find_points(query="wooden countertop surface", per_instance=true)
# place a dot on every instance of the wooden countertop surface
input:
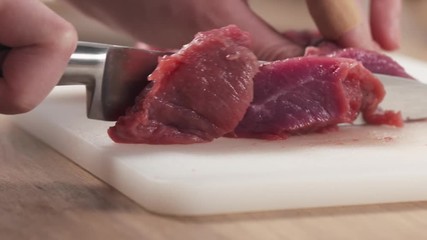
(43, 195)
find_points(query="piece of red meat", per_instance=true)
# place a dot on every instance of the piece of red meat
(311, 94)
(374, 61)
(205, 91)
(198, 94)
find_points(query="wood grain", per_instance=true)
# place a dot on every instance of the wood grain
(45, 196)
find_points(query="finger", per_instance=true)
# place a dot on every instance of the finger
(341, 21)
(41, 44)
(385, 22)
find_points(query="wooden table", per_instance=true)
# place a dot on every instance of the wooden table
(43, 195)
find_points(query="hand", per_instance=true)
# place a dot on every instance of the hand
(40, 44)
(172, 23)
(345, 22)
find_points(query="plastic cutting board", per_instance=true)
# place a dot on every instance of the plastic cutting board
(356, 165)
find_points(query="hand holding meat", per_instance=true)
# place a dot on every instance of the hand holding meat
(172, 23)
(39, 45)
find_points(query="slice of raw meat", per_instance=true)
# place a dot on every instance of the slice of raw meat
(311, 94)
(198, 94)
(374, 61)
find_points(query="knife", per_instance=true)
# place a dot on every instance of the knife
(406, 95)
(113, 75)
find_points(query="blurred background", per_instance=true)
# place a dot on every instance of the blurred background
(414, 22)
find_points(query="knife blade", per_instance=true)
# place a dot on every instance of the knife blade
(114, 75)
(406, 95)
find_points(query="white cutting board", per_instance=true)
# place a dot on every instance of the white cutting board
(356, 165)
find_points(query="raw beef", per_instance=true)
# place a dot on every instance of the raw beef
(311, 94)
(374, 61)
(198, 94)
(214, 87)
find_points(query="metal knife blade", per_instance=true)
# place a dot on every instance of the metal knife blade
(113, 75)
(406, 95)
